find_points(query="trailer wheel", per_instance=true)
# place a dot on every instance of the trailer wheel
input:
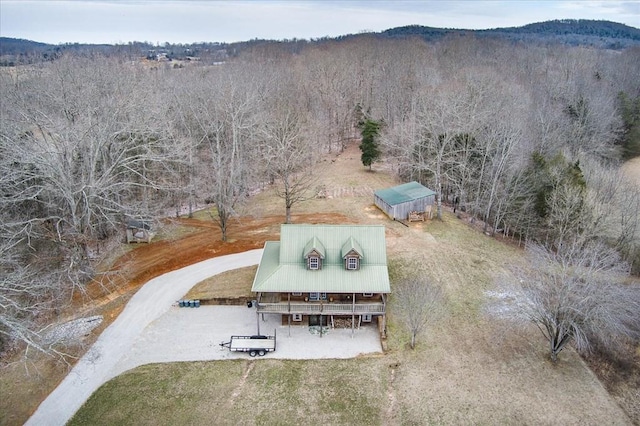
(261, 352)
(253, 353)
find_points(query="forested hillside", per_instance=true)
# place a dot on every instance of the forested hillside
(527, 139)
(581, 32)
(575, 32)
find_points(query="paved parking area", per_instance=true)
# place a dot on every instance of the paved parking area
(195, 334)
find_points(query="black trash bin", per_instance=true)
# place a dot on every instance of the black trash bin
(249, 304)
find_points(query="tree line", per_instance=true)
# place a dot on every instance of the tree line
(527, 138)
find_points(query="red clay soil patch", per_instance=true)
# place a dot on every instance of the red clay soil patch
(148, 261)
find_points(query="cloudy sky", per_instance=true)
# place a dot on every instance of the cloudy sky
(186, 21)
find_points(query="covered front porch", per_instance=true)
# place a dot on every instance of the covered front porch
(325, 312)
(331, 304)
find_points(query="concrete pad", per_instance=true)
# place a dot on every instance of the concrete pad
(195, 334)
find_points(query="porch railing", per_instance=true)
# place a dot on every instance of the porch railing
(321, 308)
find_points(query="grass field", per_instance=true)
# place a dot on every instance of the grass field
(232, 284)
(428, 386)
(469, 368)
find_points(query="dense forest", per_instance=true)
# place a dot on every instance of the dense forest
(525, 137)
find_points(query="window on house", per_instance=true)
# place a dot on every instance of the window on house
(296, 317)
(317, 296)
(296, 293)
(367, 294)
(352, 263)
(314, 262)
(366, 318)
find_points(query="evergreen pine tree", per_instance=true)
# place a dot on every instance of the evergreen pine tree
(369, 146)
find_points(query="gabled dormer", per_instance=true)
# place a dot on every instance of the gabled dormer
(351, 254)
(314, 253)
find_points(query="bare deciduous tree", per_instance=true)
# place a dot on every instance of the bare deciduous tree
(331, 90)
(577, 295)
(79, 153)
(417, 302)
(220, 111)
(289, 157)
(612, 202)
(429, 143)
(24, 294)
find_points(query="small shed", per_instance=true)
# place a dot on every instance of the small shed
(402, 200)
(138, 231)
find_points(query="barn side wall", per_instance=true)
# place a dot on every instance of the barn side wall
(382, 205)
(401, 211)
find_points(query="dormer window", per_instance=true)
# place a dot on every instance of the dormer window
(352, 263)
(314, 253)
(351, 253)
(314, 262)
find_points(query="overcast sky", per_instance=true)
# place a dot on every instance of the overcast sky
(187, 21)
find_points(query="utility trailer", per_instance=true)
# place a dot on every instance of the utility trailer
(255, 345)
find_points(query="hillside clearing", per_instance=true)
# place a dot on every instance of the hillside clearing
(470, 368)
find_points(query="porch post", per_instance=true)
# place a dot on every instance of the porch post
(384, 325)
(353, 320)
(384, 316)
(321, 309)
(258, 313)
(353, 313)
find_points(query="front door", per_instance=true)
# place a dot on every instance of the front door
(314, 320)
(314, 297)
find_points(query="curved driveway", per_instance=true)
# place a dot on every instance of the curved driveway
(148, 304)
(151, 329)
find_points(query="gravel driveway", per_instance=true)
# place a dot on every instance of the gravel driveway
(152, 329)
(195, 334)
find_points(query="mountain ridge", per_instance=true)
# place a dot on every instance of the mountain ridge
(598, 33)
(593, 33)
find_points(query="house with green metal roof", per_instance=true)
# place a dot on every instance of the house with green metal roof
(400, 201)
(317, 274)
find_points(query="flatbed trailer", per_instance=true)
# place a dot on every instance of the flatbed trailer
(255, 345)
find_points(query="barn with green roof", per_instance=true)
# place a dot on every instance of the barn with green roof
(398, 202)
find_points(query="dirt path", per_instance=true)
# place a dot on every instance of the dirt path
(391, 395)
(148, 304)
(236, 393)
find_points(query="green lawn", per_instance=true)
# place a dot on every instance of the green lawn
(231, 284)
(274, 392)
